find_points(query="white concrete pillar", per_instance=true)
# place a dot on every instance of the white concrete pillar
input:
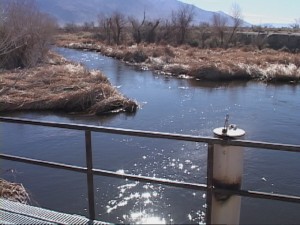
(227, 173)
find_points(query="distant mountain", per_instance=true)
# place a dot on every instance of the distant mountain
(275, 25)
(80, 11)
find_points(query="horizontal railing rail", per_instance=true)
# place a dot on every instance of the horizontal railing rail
(179, 184)
(160, 135)
(211, 141)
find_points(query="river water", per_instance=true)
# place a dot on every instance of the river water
(266, 112)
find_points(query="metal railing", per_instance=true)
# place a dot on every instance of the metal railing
(209, 187)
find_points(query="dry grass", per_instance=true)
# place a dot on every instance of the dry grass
(212, 64)
(58, 85)
(13, 192)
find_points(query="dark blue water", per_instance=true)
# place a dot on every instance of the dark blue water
(267, 113)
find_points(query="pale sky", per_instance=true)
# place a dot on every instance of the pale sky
(256, 11)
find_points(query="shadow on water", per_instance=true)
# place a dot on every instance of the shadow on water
(213, 85)
(240, 84)
(68, 117)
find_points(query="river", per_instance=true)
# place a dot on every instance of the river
(267, 112)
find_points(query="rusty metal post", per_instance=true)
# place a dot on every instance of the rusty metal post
(209, 192)
(90, 179)
(227, 174)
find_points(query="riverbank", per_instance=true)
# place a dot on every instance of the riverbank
(244, 63)
(60, 85)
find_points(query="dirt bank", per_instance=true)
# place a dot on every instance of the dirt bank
(60, 85)
(206, 64)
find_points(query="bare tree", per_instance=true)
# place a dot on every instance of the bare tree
(111, 27)
(296, 26)
(297, 21)
(237, 19)
(71, 27)
(181, 20)
(136, 28)
(105, 27)
(165, 32)
(204, 34)
(88, 26)
(150, 31)
(219, 24)
(25, 34)
(118, 22)
(144, 30)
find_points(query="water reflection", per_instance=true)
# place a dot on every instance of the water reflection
(266, 112)
(150, 205)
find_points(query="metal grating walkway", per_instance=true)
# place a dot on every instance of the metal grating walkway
(17, 213)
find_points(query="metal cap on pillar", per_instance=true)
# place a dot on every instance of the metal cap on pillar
(229, 130)
(227, 173)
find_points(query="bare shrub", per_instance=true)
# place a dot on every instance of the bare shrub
(145, 30)
(26, 34)
(181, 20)
(71, 27)
(165, 33)
(296, 61)
(111, 27)
(237, 20)
(296, 26)
(117, 23)
(169, 52)
(204, 34)
(137, 28)
(219, 26)
(260, 41)
(176, 69)
(137, 56)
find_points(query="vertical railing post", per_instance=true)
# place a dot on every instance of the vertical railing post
(90, 178)
(227, 174)
(209, 193)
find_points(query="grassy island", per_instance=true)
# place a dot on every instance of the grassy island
(57, 84)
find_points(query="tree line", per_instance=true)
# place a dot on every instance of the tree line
(177, 30)
(221, 31)
(26, 33)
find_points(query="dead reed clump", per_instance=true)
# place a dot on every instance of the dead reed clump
(169, 51)
(206, 72)
(13, 192)
(64, 86)
(137, 56)
(282, 73)
(114, 104)
(176, 69)
(272, 72)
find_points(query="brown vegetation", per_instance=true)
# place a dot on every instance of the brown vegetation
(13, 192)
(25, 34)
(31, 81)
(222, 50)
(210, 64)
(60, 85)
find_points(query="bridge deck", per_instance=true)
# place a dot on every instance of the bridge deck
(17, 213)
